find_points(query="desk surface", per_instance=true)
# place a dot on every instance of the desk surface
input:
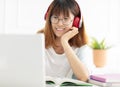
(70, 86)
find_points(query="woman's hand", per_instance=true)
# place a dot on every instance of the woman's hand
(71, 33)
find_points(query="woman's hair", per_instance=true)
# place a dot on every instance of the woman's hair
(56, 8)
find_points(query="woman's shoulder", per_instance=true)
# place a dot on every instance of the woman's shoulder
(40, 31)
(86, 46)
(83, 48)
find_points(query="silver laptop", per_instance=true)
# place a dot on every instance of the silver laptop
(22, 60)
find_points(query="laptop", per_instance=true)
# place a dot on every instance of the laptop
(22, 60)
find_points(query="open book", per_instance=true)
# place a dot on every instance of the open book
(66, 82)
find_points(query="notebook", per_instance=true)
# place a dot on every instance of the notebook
(22, 60)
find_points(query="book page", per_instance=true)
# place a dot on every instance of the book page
(73, 82)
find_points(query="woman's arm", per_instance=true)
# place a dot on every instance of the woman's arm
(77, 66)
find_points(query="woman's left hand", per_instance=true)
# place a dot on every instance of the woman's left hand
(67, 36)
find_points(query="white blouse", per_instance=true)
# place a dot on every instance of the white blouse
(57, 65)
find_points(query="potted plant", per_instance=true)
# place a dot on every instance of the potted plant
(99, 52)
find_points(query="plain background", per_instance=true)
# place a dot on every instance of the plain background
(101, 19)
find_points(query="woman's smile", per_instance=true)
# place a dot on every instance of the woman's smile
(60, 29)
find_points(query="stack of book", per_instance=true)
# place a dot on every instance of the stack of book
(105, 80)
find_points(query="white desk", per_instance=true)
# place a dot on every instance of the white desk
(70, 86)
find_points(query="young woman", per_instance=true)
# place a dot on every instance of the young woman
(67, 53)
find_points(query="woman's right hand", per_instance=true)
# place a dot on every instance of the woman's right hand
(71, 33)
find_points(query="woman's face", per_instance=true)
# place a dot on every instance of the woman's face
(61, 24)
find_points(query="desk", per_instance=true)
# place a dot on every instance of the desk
(71, 86)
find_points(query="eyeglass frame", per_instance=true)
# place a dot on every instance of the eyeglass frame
(58, 19)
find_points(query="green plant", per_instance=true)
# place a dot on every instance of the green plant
(95, 44)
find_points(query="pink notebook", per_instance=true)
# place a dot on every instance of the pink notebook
(106, 77)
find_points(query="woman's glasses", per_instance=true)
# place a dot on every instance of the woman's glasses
(65, 20)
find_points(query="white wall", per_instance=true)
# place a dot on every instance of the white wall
(96, 16)
(2, 14)
(114, 36)
(22, 16)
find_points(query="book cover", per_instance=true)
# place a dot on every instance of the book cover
(66, 82)
(106, 77)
